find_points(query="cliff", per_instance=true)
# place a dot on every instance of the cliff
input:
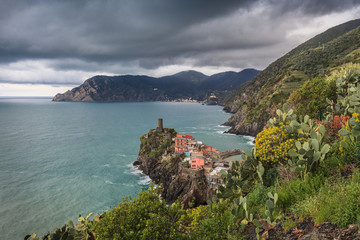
(158, 160)
(254, 102)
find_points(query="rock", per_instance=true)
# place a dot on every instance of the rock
(176, 181)
(136, 163)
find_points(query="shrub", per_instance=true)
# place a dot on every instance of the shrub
(270, 176)
(257, 198)
(190, 221)
(217, 224)
(145, 217)
(273, 144)
(154, 153)
(310, 99)
(172, 132)
(333, 126)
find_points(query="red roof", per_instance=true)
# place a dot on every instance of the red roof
(188, 136)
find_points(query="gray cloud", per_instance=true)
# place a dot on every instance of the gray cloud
(117, 36)
(312, 7)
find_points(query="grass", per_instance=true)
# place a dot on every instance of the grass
(336, 201)
(299, 189)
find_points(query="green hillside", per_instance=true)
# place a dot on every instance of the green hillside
(183, 85)
(255, 102)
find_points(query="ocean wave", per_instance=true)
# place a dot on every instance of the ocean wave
(250, 138)
(109, 182)
(134, 170)
(191, 127)
(106, 165)
(144, 181)
(220, 132)
(121, 155)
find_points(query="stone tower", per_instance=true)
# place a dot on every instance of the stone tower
(160, 125)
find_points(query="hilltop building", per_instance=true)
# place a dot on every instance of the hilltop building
(181, 142)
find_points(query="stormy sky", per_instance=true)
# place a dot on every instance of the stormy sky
(49, 46)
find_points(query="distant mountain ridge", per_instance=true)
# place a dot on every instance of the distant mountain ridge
(182, 85)
(257, 100)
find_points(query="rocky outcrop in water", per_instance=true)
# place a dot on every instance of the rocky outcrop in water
(158, 160)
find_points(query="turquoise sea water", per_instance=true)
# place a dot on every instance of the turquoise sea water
(58, 160)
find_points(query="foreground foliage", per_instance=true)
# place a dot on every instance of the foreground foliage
(300, 168)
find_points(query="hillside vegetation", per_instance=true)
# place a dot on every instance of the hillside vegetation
(183, 85)
(256, 101)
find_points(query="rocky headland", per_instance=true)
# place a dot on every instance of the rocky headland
(187, 85)
(158, 160)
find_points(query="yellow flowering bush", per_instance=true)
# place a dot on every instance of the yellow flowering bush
(190, 221)
(356, 116)
(273, 144)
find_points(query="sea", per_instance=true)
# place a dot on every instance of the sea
(59, 160)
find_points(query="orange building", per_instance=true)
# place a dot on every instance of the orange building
(181, 142)
(208, 150)
(197, 163)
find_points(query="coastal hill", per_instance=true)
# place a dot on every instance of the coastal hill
(257, 100)
(183, 85)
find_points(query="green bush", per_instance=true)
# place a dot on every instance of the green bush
(333, 159)
(310, 99)
(154, 153)
(257, 198)
(172, 132)
(270, 177)
(145, 217)
(218, 223)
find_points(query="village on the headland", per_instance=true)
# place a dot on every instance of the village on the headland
(200, 156)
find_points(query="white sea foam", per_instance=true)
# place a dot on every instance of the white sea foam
(134, 170)
(190, 127)
(109, 182)
(106, 165)
(145, 180)
(128, 185)
(220, 132)
(250, 138)
(121, 155)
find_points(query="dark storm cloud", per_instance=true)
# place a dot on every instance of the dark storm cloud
(111, 35)
(101, 30)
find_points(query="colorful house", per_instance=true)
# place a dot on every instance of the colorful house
(181, 142)
(197, 163)
(208, 150)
